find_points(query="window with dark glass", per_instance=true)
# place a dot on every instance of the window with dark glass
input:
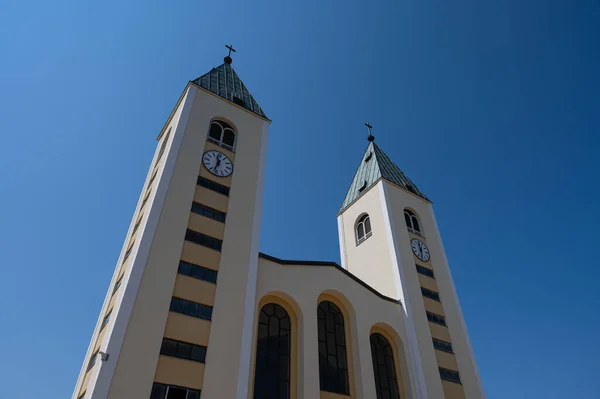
(362, 188)
(425, 271)
(211, 185)
(208, 212)
(118, 284)
(190, 308)
(204, 240)
(436, 318)
(222, 134)
(163, 146)
(386, 384)
(430, 294)
(363, 229)
(273, 348)
(183, 350)
(442, 345)
(105, 320)
(163, 391)
(412, 222)
(146, 197)
(81, 396)
(128, 252)
(333, 364)
(199, 272)
(237, 100)
(92, 360)
(449, 375)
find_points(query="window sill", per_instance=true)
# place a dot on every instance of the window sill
(415, 232)
(365, 238)
(220, 144)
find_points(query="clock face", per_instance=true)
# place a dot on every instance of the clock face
(420, 249)
(217, 163)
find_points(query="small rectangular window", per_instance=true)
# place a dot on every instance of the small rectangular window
(152, 178)
(362, 188)
(183, 350)
(368, 158)
(92, 361)
(211, 185)
(425, 271)
(146, 197)
(436, 318)
(442, 345)
(163, 391)
(191, 308)
(430, 294)
(118, 284)
(199, 272)
(128, 252)
(204, 240)
(449, 375)
(208, 212)
(106, 320)
(137, 225)
(238, 101)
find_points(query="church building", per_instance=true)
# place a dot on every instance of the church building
(194, 310)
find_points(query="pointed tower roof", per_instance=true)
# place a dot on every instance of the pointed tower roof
(376, 164)
(224, 82)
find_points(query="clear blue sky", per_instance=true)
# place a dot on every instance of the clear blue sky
(491, 107)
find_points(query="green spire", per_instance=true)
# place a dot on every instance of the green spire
(376, 164)
(224, 82)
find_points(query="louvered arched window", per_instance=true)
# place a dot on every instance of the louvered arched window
(412, 222)
(333, 362)
(222, 134)
(363, 228)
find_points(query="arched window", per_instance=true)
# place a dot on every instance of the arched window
(412, 222)
(333, 364)
(272, 372)
(222, 134)
(386, 383)
(363, 229)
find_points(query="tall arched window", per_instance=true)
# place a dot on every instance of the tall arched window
(272, 373)
(221, 133)
(363, 229)
(412, 222)
(333, 363)
(386, 383)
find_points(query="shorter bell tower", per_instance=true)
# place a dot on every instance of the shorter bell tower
(389, 238)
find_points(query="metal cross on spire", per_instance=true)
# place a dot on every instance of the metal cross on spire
(371, 137)
(228, 58)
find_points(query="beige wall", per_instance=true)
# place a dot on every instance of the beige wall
(301, 287)
(182, 372)
(370, 261)
(400, 199)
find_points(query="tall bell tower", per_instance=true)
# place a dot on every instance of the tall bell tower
(190, 258)
(389, 238)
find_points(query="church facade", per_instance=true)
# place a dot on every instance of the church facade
(195, 310)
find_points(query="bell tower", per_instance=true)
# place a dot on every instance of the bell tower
(389, 238)
(179, 312)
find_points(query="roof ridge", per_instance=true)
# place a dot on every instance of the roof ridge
(376, 164)
(224, 81)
